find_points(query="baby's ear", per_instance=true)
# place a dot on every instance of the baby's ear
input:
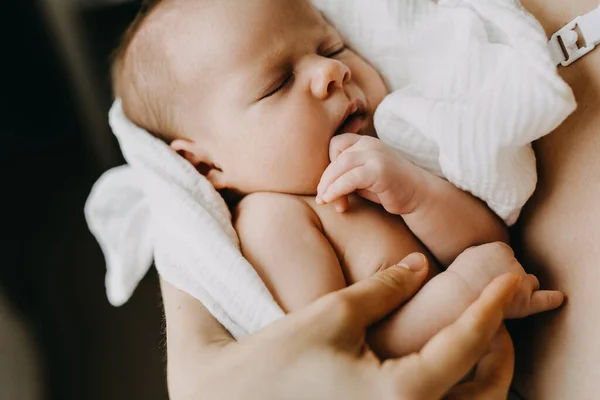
(191, 151)
(199, 158)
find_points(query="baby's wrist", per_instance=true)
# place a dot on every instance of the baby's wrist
(418, 194)
(429, 189)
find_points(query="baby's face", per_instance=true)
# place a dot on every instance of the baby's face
(265, 85)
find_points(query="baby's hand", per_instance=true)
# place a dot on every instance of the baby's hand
(366, 165)
(530, 300)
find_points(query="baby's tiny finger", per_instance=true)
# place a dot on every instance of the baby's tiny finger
(351, 181)
(342, 204)
(533, 282)
(339, 167)
(545, 300)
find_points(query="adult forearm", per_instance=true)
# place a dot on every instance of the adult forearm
(194, 343)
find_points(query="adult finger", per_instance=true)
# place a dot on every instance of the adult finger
(341, 143)
(372, 299)
(493, 374)
(451, 354)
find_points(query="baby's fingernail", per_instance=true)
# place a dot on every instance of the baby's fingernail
(414, 262)
(338, 207)
(319, 200)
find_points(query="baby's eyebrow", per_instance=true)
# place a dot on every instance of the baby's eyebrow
(275, 62)
(270, 78)
(328, 28)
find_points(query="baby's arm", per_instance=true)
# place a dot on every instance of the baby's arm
(282, 238)
(446, 219)
(449, 294)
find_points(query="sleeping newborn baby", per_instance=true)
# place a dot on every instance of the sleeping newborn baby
(264, 99)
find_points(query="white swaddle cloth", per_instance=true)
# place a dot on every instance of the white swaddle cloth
(472, 85)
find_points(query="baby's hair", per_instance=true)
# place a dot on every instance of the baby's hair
(135, 77)
(118, 55)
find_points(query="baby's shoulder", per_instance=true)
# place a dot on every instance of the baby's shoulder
(272, 211)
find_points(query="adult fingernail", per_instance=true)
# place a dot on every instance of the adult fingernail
(414, 262)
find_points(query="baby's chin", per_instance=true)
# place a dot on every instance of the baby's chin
(299, 184)
(298, 174)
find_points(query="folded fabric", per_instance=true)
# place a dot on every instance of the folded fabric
(472, 84)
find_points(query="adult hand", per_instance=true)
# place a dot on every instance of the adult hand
(319, 352)
(493, 373)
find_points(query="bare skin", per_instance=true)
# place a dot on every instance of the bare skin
(558, 353)
(318, 352)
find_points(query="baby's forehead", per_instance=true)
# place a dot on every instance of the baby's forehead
(209, 36)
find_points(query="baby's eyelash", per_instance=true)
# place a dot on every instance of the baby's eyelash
(280, 86)
(336, 51)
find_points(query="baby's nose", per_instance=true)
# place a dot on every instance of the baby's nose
(328, 75)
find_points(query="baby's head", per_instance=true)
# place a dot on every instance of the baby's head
(250, 92)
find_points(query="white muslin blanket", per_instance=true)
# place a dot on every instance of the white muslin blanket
(472, 85)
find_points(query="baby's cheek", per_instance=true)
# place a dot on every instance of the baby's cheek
(295, 169)
(313, 171)
(372, 84)
(377, 91)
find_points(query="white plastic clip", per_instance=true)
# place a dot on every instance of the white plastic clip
(564, 44)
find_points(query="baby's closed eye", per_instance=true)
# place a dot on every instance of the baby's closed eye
(287, 79)
(281, 83)
(335, 51)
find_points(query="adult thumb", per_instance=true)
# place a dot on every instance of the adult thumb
(372, 299)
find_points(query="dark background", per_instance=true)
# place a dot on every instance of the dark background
(54, 146)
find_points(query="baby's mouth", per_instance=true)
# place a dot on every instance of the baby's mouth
(354, 119)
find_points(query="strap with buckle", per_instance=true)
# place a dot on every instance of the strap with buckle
(576, 39)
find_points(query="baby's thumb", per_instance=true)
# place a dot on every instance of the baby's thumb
(372, 299)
